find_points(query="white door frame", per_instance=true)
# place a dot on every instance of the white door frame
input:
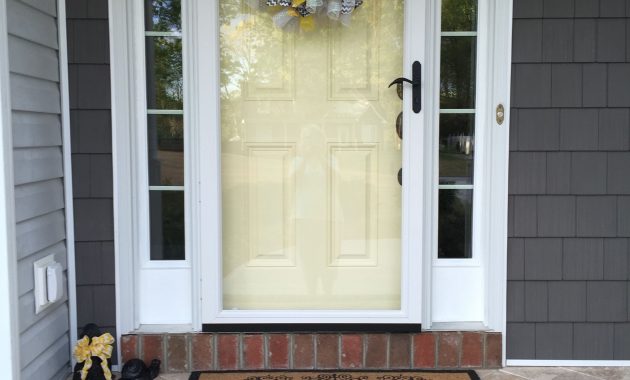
(205, 20)
(125, 79)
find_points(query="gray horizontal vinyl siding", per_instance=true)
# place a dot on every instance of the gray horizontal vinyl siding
(90, 111)
(38, 177)
(569, 203)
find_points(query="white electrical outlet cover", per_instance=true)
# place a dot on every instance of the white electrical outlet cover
(40, 268)
(54, 285)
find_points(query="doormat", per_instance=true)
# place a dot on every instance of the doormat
(336, 375)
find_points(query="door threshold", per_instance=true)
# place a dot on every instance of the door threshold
(168, 328)
(314, 327)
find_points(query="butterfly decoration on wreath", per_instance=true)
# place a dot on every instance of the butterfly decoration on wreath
(292, 12)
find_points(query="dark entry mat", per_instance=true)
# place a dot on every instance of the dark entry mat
(336, 375)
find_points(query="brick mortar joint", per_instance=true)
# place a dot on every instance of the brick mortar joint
(485, 350)
(412, 351)
(239, 352)
(164, 338)
(461, 349)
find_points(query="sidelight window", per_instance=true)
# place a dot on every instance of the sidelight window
(165, 128)
(458, 65)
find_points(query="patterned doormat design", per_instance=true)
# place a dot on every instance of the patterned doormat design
(336, 375)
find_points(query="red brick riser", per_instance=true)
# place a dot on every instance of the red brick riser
(202, 351)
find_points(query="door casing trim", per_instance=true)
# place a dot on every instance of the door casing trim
(123, 77)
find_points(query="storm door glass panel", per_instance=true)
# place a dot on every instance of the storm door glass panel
(310, 156)
(165, 128)
(458, 66)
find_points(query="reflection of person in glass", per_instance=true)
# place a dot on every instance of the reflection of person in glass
(311, 171)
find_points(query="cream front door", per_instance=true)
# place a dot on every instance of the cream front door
(311, 203)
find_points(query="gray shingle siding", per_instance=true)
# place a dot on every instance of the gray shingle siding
(569, 203)
(90, 112)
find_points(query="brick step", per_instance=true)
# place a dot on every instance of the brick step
(206, 351)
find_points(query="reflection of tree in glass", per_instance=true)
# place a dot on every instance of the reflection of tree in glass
(163, 15)
(166, 146)
(459, 15)
(247, 36)
(164, 73)
(458, 55)
(169, 127)
(457, 146)
(454, 224)
(457, 72)
(233, 55)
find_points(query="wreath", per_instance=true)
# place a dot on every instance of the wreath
(291, 12)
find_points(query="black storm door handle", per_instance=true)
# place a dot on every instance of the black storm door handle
(416, 81)
(401, 80)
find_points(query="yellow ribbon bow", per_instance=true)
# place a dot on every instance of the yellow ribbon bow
(101, 347)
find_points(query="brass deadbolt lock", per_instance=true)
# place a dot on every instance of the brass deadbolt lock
(500, 114)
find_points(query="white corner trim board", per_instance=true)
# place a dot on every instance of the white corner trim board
(497, 309)
(9, 339)
(67, 164)
(122, 175)
(566, 363)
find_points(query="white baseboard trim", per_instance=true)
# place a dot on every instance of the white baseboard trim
(566, 363)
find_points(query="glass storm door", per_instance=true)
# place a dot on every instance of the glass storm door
(310, 156)
(278, 177)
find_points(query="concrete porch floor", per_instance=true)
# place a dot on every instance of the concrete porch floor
(517, 373)
(556, 373)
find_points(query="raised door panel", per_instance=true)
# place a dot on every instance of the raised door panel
(353, 56)
(271, 59)
(353, 205)
(271, 207)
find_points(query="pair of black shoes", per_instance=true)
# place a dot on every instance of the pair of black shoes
(135, 369)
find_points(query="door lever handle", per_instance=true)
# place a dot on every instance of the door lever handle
(401, 80)
(415, 81)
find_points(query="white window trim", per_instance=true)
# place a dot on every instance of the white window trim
(123, 97)
(9, 331)
(131, 189)
(491, 168)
